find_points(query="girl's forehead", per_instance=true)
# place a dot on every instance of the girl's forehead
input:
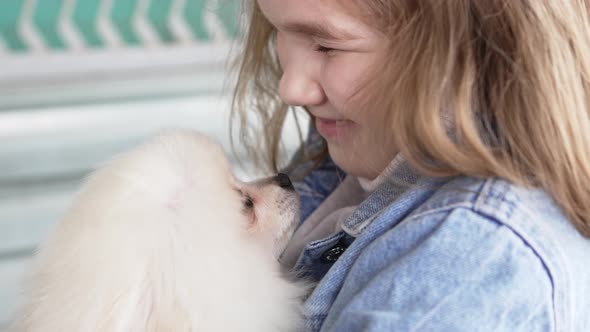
(326, 19)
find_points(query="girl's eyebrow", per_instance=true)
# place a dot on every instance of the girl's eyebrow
(322, 31)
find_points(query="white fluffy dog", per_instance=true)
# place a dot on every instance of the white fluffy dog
(164, 239)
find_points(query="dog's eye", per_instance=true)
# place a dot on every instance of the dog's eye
(248, 203)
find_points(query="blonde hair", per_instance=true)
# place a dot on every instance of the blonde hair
(256, 94)
(513, 76)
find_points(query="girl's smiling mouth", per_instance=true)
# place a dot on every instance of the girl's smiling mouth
(333, 128)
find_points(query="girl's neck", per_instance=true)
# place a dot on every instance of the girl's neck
(370, 185)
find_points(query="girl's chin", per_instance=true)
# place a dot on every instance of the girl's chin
(343, 158)
(363, 160)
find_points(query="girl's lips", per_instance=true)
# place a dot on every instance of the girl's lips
(330, 128)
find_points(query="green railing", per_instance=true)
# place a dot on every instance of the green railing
(55, 52)
(34, 25)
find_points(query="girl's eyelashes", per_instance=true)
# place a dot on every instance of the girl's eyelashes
(323, 49)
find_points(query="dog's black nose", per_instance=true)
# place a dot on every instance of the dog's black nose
(284, 182)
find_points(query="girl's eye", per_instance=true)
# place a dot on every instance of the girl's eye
(323, 49)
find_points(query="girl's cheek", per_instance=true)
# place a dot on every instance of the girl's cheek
(281, 49)
(339, 80)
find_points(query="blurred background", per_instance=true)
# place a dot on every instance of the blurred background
(81, 80)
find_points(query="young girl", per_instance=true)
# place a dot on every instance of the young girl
(455, 191)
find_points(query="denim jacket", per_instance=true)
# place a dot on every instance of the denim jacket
(452, 254)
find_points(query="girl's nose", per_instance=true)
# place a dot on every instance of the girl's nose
(298, 88)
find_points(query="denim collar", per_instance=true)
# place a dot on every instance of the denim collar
(399, 185)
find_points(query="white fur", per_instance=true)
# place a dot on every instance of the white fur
(158, 240)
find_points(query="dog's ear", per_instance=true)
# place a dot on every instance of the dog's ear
(144, 311)
(166, 319)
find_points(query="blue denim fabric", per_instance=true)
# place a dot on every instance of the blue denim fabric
(317, 186)
(454, 254)
(320, 183)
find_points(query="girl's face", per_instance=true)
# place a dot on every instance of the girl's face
(325, 53)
